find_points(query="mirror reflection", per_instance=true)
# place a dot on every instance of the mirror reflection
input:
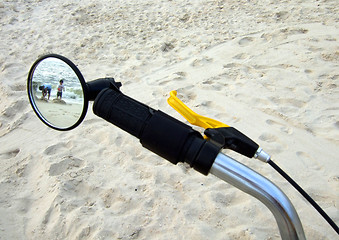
(57, 93)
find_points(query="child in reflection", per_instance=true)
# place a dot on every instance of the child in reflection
(60, 89)
(46, 89)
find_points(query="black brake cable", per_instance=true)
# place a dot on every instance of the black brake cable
(305, 195)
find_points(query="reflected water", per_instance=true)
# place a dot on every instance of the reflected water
(60, 104)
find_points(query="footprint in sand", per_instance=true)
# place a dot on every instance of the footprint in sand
(282, 15)
(51, 150)
(164, 82)
(10, 154)
(185, 94)
(272, 140)
(307, 160)
(201, 61)
(240, 56)
(15, 108)
(293, 31)
(289, 102)
(281, 126)
(179, 76)
(231, 65)
(67, 164)
(267, 137)
(245, 41)
(18, 87)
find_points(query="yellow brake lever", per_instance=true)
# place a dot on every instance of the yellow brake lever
(191, 116)
(221, 133)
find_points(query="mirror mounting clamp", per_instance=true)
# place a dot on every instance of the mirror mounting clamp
(96, 86)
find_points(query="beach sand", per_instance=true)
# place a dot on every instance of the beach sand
(59, 113)
(269, 69)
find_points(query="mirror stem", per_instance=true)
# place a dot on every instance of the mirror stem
(96, 86)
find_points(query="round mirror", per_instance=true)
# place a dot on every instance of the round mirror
(57, 92)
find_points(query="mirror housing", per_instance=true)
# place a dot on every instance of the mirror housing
(49, 76)
(54, 75)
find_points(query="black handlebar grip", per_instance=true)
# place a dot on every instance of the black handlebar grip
(157, 131)
(123, 111)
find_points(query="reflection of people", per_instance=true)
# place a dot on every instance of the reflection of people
(46, 89)
(60, 89)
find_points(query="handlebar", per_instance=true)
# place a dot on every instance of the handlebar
(264, 190)
(178, 142)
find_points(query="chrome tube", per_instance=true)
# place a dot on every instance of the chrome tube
(264, 190)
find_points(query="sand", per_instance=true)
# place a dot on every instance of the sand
(59, 113)
(268, 68)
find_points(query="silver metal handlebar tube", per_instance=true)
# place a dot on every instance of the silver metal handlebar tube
(251, 182)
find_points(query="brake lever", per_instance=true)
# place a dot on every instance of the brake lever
(221, 134)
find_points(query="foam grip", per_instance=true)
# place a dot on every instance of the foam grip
(122, 111)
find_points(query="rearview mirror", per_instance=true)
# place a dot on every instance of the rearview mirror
(57, 92)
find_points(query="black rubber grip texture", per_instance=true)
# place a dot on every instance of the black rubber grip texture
(123, 111)
(168, 137)
(157, 131)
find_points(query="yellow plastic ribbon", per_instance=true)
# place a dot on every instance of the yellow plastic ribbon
(191, 116)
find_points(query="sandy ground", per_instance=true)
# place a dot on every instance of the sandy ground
(268, 68)
(58, 113)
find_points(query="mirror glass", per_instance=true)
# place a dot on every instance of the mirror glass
(56, 92)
